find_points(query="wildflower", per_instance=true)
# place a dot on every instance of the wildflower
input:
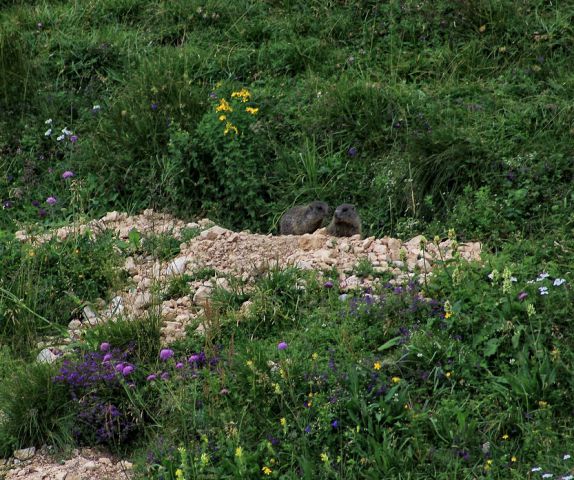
(151, 377)
(377, 365)
(494, 275)
(96, 108)
(530, 310)
(6, 204)
(164, 376)
(179, 474)
(165, 354)
(283, 422)
(328, 284)
(522, 296)
(308, 429)
(51, 201)
(559, 281)
(223, 106)
(65, 131)
(315, 356)
(224, 391)
(252, 111)
(547, 475)
(204, 459)
(74, 138)
(229, 127)
(239, 452)
(543, 290)
(324, 458)
(488, 465)
(396, 379)
(48, 122)
(448, 315)
(448, 374)
(542, 404)
(352, 152)
(505, 436)
(542, 276)
(282, 346)
(568, 477)
(154, 106)
(566, 457)
(60, 138)
(120, 367)
(335, 424)
(222, 118)
(249, 363)
(42, 212)
(179, 365)
(127, 370)
(513, 459)
(107, 357)
(67, 174)
(243, 94)
(277, 388)
(48, 132)
(266, 470)
(535, 469)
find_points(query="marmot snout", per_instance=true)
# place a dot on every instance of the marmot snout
(346, 221)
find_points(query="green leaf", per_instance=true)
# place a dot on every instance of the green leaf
(491, 347)
(391, 343)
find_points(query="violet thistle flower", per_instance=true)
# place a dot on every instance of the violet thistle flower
(42, 212)
(151, 377)
(352, 152)
(127, 370)
(74, 138)
(51, 201)
(104, 347)
(68, 174)
(282, 346)
(328, 284)
(165, 354)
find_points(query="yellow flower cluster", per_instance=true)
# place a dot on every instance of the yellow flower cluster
(223, 106)
(243, 94)
(229, 127)
(251, 110)
(266, 470)
(377, 365)
(396, 379)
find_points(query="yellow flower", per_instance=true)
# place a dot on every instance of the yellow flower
(396, 379)
(324, 457)
(283, 422)
(448, 315)
(377, 365)
(505, 436)
(243, 94)
(239, 452)
(514, 459)
(32, 253)
(249, 363)
(252, 111)
(223, 106)
(315, 356)
(229, 127)
(542, 404)
(266, 470)
(448, 374)
(222, 118)
(179, 474)
(204, 458)
(277, 388)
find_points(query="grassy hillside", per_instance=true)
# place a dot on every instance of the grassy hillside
(394, 106)
(430, 116)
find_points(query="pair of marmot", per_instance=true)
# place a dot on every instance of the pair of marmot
(308, 218)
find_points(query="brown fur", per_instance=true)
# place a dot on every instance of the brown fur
(303, 218)
(346, 222)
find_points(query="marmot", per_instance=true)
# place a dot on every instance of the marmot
(303, 218)
(346, 222)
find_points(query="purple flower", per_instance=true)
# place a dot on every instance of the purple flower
(120, 367)
(154, 106)
(335, 424)
(282, 346)
(352, 152)
(6, 204)
(35, 203)
(328, 284)
(42, 213)
(151, 377)
(179, 365)
(51, 201)
(165, 354)
(308, 429)
(194, 358)
(165, 376)
(224, 391)
(107, 357)
(213, 95)
(522, 296)
(68, 174)
(104, 347)
(74, 138)
(127, 370)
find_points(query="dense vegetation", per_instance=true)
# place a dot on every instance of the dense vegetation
(427, 115)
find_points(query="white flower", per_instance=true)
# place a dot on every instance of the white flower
(542, 276)
(543, 290)
(566, 457)
(513, 279)
(559, 281)
(568, 477)
(60, 138)
(65, 131)
(48, 132)
(96, 107)
(48, 122)
(535, 469)
(547, 475)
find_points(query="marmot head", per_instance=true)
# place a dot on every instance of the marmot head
(317, 210)
(346, 213)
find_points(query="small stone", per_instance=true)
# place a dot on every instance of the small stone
(176, 267)
(110, 217)
(46, 356)
(202, 295)
(90, 466)
(25, 453)
(142, 300)
(75, 325)
(104, 461)
(130, 266)
(212, 233)
(61, 476)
